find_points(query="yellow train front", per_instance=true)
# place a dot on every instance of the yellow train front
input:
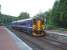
(38, 27)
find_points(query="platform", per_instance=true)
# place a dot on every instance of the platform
(9, 41)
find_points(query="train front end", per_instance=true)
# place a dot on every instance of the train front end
(38, 27)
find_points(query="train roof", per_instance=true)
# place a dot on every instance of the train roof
(22, 20)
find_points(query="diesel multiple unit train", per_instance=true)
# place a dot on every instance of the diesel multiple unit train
(34, 27)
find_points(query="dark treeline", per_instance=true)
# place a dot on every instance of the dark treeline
(59, 13)
(7, 19)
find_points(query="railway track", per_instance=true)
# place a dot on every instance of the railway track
(29, 41)
(54, 42)
(39, 43)
(32, 44)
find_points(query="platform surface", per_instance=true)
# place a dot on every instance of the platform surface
(9, 41)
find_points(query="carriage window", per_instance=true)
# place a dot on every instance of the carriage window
(23, 23)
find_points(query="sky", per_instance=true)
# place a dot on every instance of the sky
(33, 7)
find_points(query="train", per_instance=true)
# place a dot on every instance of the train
(32, 26)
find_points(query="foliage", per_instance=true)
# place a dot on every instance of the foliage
(55, 14)
(63, 11)
(59, 13)
(7, 19)
(23, 15)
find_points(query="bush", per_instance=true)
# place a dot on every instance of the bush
(49, 27)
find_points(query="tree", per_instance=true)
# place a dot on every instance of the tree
(63, 12)
(59, 13)
(56, 13)
(23, 15)
(6, 19)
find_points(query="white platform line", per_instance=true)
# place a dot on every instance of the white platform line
(56, 33)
